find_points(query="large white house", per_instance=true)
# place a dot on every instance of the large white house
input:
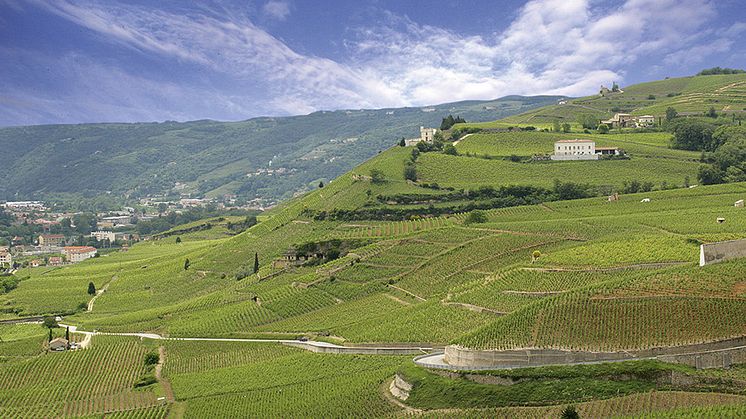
(427, 135)
(575, 150)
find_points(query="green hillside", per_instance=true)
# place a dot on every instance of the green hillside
(479, 246)
(688, 95)
(210, 158)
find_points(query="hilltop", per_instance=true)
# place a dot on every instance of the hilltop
(688, 95)
(270, 158)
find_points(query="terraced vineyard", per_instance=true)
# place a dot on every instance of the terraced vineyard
(395, 262)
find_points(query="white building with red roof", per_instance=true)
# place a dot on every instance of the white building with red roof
(575, 150)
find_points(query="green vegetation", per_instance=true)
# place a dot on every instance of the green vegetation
(93, 165)
(484, 244)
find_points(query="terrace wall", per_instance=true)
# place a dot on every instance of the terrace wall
(721, 251)
(704, 355)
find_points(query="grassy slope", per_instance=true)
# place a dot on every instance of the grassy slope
(413, 281)
(727, 93)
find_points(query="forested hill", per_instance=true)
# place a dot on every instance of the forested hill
(214, 158)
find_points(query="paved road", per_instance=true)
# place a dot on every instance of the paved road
(310, 344)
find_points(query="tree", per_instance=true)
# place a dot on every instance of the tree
(91, 288)
(450, 149)
(377, 176)
(67, 333)
(402, 142)
(671, 114)
(535, 256)
(256, 262)
(49, 322)
(321, 184)
(50, 335)
(410, 172)
(570, 413)
(614, 87)
(476, 217)
(588, 121)
(151, 358)
(710, 175)
(556, 127)
(566, 127)
(447, 123)
(162, 207)
(178, 239)
(693, 135)
(603, 129)
(186, 264)
(712, 113)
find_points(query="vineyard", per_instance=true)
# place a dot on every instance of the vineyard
(398, 262)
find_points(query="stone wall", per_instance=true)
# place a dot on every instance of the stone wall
(703, 355)
(721, 251)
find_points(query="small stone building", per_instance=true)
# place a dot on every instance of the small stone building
(59, 344)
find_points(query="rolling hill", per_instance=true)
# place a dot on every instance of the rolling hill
(210, 158)
(374, 259)
(688, 95)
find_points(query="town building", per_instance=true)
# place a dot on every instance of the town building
(102, 235)
(115, 221)
(6, 259)
(76, 254)
(35, 263)
(58, 344)
(427, 135)
(51, 240)
(55, 261)
(25, 205)
(575, 150)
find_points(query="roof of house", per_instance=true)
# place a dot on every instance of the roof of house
(79, 249)
(58, 340)
(576, 141)
(53, 236)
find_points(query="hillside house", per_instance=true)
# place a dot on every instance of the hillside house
(35, 263)
(59, 344)
(51, 240)
(645, 121)
(76, 254)
(55, 261)
(575, 150)
(608, 151)
(6, 259)
(621, 120)
(427, 135)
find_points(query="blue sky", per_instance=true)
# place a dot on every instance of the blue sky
(102, 61)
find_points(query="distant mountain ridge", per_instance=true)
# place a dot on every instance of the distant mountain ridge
(267, 157)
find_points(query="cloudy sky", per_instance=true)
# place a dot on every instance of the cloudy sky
(93, 60)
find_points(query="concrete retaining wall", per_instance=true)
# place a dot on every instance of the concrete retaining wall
(721, 251)
(703, 355)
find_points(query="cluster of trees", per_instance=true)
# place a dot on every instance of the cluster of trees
(727, 162)
(479, 199)
(718, 70)
(173, 219)
(450, 121)
(557, 127)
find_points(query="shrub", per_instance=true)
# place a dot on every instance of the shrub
(476, 217)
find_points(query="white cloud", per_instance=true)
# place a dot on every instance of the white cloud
(277, 9)
(551, 47)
